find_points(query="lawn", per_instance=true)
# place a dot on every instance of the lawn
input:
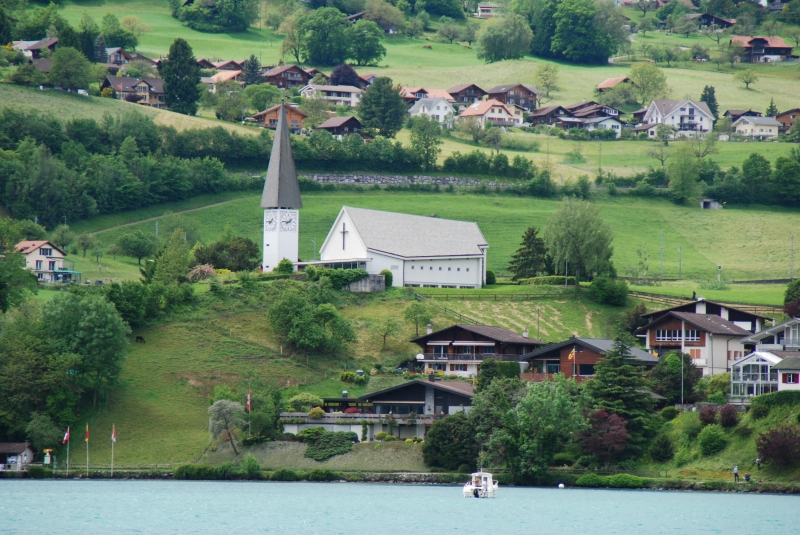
(759, 294)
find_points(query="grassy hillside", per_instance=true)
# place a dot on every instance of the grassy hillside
(707, 238)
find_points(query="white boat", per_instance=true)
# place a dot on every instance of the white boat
(480, 485)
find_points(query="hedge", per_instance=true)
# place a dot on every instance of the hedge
(775, 399)
(284, 475)
(550, 280)
(617, 481)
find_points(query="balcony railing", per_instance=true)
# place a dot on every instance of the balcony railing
(756, 378)
(471, 357)
(341, 417)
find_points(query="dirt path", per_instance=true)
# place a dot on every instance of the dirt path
(160, 216)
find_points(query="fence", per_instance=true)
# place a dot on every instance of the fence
(481, 296)
(671, 301)
(458, 315)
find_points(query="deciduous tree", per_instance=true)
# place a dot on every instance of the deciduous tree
(506, 37)
(137, 244)
(450, 443)
(344, 74)
(648, 82)
(448, 30)
(225, 415)
(605, 437)
(747, 77)
(546, 78)
(365, 43)
(683, 176)
(577, 37)
(426, 141)
(262, 96)
(324, 37)
(666, 378)
(417, 313)
(70, 69)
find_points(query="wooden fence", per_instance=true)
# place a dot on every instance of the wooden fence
(671, 301)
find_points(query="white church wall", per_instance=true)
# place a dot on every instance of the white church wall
(353, 246)
(380, 262)
(281, 237)
(444, 272)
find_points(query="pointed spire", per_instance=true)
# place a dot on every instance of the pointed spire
(281, 189)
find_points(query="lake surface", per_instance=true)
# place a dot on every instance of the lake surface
(235, 508)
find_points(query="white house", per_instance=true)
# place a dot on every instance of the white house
(788, 371)
(492, 111)
(16, 455)
(757, 127)
(46, 261)
(689, 118)
(438, 108)
(417, 250)
(337, 95)
(592, 123)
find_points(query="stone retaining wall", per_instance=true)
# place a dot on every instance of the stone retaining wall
(399, 180)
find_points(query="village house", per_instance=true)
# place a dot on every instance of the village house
(466, 94)
(269, 118)
(522, 95)
(689, 118)
(117, 56)
(788, 371)
(487, 11)
(33, 49)
(313, 72)
(611, 83)
(144, 91)
(784, 336)
(413, 94)
(460, 349)
(367, 79)
(547, 361)
(757, 127)
(592, 123)
(220, 78)
(734, 115)
(707, 20)
(46, 261)
(763, 49)
(287, 76)
(491, 111)
(548, 115)
(787, 119)
(341, 126)
(417, 250)
(437, 108)
(753, 375)
(337, 95)
(16, 456)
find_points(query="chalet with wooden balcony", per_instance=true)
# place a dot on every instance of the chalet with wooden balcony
(459, 349)
(286, 76)
(466, 94)
(269, 118)
(787, 119)
(545, 362)
(734, 115)
(760, 49)
(522, 95)
(548, 115)
(145, 91)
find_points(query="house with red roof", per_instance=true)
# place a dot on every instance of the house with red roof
(46, 261)
(760, 49)
(492, 111)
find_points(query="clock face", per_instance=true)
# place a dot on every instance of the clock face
(270, 221)
(289, 221)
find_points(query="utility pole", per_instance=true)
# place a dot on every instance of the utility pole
(791, 268)
(600, 158)
(314, 256)
(680, 263)
(156, 228)
(566, 272)
(661, 276)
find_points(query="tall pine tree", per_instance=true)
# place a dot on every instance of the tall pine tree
(181, 77)
(251, 69)
(618, 387)
(382, 108)
(5, 28)
(100, 55)
(710, 98)
(772, 109)
(529, 258)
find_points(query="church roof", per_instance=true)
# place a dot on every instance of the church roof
(281, 189)
(414, 236)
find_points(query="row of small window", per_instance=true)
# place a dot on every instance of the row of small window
(551, 367)
(51, 266)
(790, 378)
(674, 335)
(442, 367)
(422, 268)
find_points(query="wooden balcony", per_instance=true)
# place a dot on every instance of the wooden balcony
(469, 357)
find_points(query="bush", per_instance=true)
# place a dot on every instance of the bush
(757, 412)
(285, 267)
(310, 435)
(305, 401)
(784, 397)
(626, 481)
(196, 472)
(380, 435)
(388, 277)
(707, 415)
(669, 413)
(490, 277)
(323, 474)
(250, 467)
(226, 470)
(563, 458)
(743, 431)
(390, 438)
(608, 291)
(662, 450)
(712, 439)
(284, 475)
(316, 413)
(689, 425)
(719, 398)
(780, 445)
(331, 444)
(550, 280)
(592, 481)
(354, 378)
(463, 469)
(288, 437)
(728, 416)
(39, 472)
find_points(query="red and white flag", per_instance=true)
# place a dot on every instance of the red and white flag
(113, 433)
(87, 433)
(66, 437)
(248, 399)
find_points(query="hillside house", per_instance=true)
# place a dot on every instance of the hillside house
(763, 49)
(547, 361)
(220, 78)
(487, 10)
(148, 91)
(227, 65)
(413, 94)
(492, 111)
(753, 323)
(337, 95)
(784, 336)
(788, 371)
(590, 109)
(459, 349)
(33, 49)
(787, 118)
(757, 127)
(548, 115)
(611, 83)
(286, 76)
(269, 118)
(754, 375)
(46, 261)
(16, 456)
(367, 79)
(466, 94)
(519, 94)
(418, 250)
(592, 123)
(707, 20)
(688, 117)
(437, 108)
(734, 115)
(117, 56)
(313, 72)
(341, 126)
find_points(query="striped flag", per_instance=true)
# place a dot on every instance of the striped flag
(113, 433)
(87, 432)
(572, 354)
(66, 437)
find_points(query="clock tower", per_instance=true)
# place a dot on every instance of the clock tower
(281, 201)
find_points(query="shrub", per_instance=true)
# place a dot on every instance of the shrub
(390, 438)
(226, 470)
(354, 378)
(380, 435)
(608, 291)
(591, 480)
(780, 445)
(289, 437)
(388, 277)
(563, 458)
(195, 472)
(310, 435)
(490, 277)
(549, 280)
(743, 431)
(352, 410)
(316, 413)
(331, 444)
(689, 424)
(305, 401)
(626, 481)
(662, 450)
(39, 472)
(708, 415)
(250, 466)
(284, 475)
(719, 398)
(757, 412)
(322, 474)
(728, 416)
(669, 413)
(464, 468)
(712, 439)
(285, 267)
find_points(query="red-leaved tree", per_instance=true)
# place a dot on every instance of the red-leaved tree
(780, 445)
(606, 435)
(728, 416)
(708, 415)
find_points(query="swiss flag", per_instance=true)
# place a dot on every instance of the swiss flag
(66, 437)
(248, 400)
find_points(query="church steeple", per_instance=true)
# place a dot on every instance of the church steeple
(281, 189)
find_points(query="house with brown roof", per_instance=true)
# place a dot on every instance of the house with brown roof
(487, 10)
(341, 126)
(519, 94)
(548, 115)
(707, 20)
(611, 83)
(144, 91)
(413, 94)
(46, 261)
(761, 49)
(734, 115)
(286, 76)
(33, 49)
(269, 118)
(466, 94)
(787, 118)
(16, 456)
(492, 111)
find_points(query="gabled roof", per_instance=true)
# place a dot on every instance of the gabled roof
(738, 113)
(414, 236)
(15, 448)
(692, 304)
(600, 345)
(709, 323)
(428, 103)
(772, 42)
(281, 188)
(666, 107)
(334, 88)
(498, 334)
(44, 43)
(283, 68)
(760, 121)
(336, 122)
(540, 112)
(461, 87)
(27, 247)
(613, 82)
(768, 356)
(789, 363)
(454, 387)
(411, 92)
(581, 105)
(506, 88)
(225, 64)
(224, 76)
(277, 107)
(127, 83)
(769, 331)
(482, 107)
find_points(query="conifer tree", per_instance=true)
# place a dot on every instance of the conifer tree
(181, 77)
(529, 258)
(772, 109)
(5, 28)
(251, 69)
(618, 387)
(710, 98)
(382, 108)
(100, 55)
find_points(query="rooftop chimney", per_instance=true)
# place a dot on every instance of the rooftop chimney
(431, 377)
(430, 328)
(344, 394)
(525, 333)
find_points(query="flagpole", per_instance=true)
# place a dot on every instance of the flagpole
(112, 449)
(68, 454)
(248, 409)
(87, 450)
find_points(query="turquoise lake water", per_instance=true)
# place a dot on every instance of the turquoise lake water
(236, 508)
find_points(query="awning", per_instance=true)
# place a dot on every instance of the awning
(439, 343)
(487, 344)
(399, 402)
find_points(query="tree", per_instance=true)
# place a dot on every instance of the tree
(710, 98)
(292, 37)
(181, 78)
(786, 181)
(780, 445)
(70, 69)
(772, 109)
(135, 25)
(791, 298)
(683, 175)
(546, 77)
(662, 450)
(417, 313)
(529, 260)
(251, 70)
(173, 262)
(382, 108)
(715, 33)
(262, 96)
(648, 82)
(344, 74)
(686, 27)
(704, 146)
(16, 282)
(448, 30)
(576, 233)
(237, 254)
(316, 109)
(506, 37)
(756, 172)
(100, 55)
(442, 8)
(42, 432)
(450, 443)
(577, 37)
(385, 328)
(325, 40)
(137, 244)
(646, 25)
(469, 33)
(666, 378)
(665, 132)
(85, 242)
(5, 28)
(794, 35)
(69, 37)
(231, 102)
(365, 43)
(618, 387)
(644, 6)
(771, 27)
(384, 14)
(605, 437)
(62, 236)
(225, 415)
(733, 52)
(426, 141)
(747, 77)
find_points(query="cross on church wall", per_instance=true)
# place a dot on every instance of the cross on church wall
(344, 234)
